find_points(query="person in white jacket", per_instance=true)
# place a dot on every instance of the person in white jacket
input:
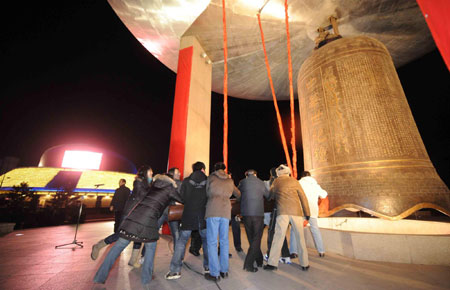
(313, 191)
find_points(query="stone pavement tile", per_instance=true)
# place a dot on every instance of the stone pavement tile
(43, 269)
(50, 251)
(66, 258)
(83, 286)
(362, 273)
(81, 266)
(17, 260)
(435, 275)
(122, 278)
(64, 280)
(86, 257)
(7, 270)
(210, 286)
(60, 260)
(26, 282)
(3, 279)
(67, 269)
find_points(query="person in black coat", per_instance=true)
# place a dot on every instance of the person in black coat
(149, 199)
(173, 173)
(118, 202)
(193, 192)
(253, 192)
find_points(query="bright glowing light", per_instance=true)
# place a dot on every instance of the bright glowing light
(179, 12)
(272, 9)
(81, 159)
(152, 46)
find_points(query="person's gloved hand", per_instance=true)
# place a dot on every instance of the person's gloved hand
(307, 218)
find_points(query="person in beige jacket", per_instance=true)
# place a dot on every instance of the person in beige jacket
(219, 188)
(292, 206)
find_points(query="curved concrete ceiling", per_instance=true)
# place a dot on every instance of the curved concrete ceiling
(159, 26)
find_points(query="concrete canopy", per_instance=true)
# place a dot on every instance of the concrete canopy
(159, 25)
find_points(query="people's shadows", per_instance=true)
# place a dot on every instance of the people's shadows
(134, 278)
(242, 255)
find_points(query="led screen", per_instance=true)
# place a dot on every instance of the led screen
(81, 159)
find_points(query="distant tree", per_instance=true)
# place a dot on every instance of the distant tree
(65, 204)
(22, 196)
(19, 203)
(62, 197)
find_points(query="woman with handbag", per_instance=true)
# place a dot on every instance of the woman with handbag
(150, 197)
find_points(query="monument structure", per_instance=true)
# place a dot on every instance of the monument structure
(359, 137)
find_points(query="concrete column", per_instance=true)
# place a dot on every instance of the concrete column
(190, 135)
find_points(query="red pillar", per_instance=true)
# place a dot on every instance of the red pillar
(189, 140)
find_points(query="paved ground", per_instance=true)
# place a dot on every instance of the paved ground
(29, 260)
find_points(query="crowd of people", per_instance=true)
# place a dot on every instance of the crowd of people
(140, 213)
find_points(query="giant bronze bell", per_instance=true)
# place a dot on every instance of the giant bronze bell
(360, 140)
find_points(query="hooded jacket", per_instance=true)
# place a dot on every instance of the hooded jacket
(148, 204)
(289, 197)
(219, 188)
(193, 192)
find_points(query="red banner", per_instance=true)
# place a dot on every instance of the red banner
(180, 110)
(437, 15)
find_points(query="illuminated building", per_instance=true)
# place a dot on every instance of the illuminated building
(82, 170)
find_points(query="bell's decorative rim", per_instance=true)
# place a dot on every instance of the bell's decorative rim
(403, 215)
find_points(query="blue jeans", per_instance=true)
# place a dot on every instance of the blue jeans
(217, 226)
(315, 232)
(119, 246)
(175, 264)
(174, 228)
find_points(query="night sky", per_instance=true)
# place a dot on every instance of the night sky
(74, 74)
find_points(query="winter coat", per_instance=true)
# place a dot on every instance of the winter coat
(253, 191)
(313, 191)
(290, 199)
(193, 192)
(172, 202)
(219, 188)
(140, 190)
(120, 198)
(141, 221)
(178, 183)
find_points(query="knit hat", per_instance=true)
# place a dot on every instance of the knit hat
(283, 170)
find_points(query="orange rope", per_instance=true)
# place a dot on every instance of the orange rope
(280, 124)
(225, 88)
(291, 93)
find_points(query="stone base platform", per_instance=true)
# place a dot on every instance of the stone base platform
(373, 239)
